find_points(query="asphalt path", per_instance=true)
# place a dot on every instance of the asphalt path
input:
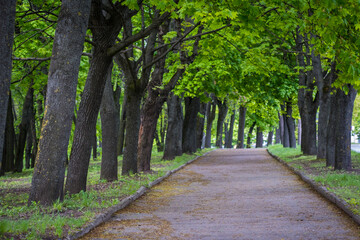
(230, 194)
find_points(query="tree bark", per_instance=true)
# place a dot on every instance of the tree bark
(223, 108)
(7, 28)
(192, 107)
(87, 115)
(120, 149)
(324, 85)
(281, 128)
(307, 104)
(24, 129)
(248, 143)
(290, 125)
(331, 137)
(173, 141)
(277, 136)
(228, 143)
(286, 136)
(343, 128)
(8, 155)
(241, 130)
(48, 177)
(270, 138)
(200, 123)
(210, 116)
(259, 138)
(109, 127)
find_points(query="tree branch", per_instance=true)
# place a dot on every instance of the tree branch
(143, 33)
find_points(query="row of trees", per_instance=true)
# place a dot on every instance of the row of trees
(255, 64)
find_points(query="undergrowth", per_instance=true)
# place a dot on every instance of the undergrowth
(345, 184)
(18, 220)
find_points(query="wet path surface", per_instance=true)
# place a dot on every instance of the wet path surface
(230, 194)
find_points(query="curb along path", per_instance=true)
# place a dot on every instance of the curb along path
(230, 194)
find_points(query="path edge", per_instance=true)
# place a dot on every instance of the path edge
(340, 203)
(103, 217)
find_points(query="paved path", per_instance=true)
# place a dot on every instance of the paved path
(355, 147)
(230, 194)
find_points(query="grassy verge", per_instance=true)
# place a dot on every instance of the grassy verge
(20, 221)
(345, 184)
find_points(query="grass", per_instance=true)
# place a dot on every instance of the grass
(20, 221)
(345, 184)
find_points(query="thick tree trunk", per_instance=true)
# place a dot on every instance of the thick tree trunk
(299, 132)
(223, 109)
(7, 28)
(331, 137)
(281, 128)
(259, 138)
(270, 138)
(241, 130)
(249, 137)
(8, 155)
(285, 136)
(307, 104)
(109, 127)
(132, 131)
(103, 38)
(277, 136)
(210, 116)
(200, 123)
(228, 143)
(290, 125)
(324, 85)
(192, 107)
(24, 129)
(120, 148)
(343, 128)
(173, 141)
(149, 118)
(48, 178)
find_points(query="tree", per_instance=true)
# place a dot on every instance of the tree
(48, 177)
(7, 23)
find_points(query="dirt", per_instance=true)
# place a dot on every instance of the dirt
(230, 194)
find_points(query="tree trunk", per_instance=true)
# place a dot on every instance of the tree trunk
(343, 128)
(228, 143)
(324, 85)
(307, 104)
(241, 130)
(270, 138)
(7, 28)
(210, 114)
(173, 141)
(259, 138)
(331, 137)
(299, 132)
(24, 129)
(285, 137)
(281, 128)
(132, 132)
(248, 143)
(109, 127)
(9, 142)
(149, 118)
(120, 148)
(223, 108)
(277, 136)
(192, 107)
(200, 123)
(48, 178)
(103, 38)
(290, 125)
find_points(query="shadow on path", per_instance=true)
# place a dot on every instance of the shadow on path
(230, 194)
